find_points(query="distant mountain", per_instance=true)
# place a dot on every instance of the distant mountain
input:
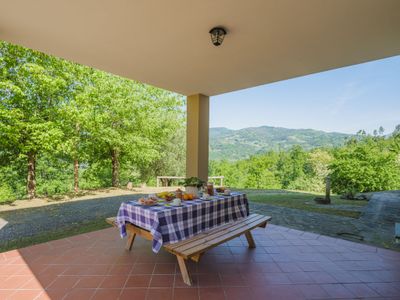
(237, 144)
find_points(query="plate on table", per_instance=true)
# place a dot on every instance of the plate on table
(208, 199)
(141, 204)
(147, 202)
(174, 205)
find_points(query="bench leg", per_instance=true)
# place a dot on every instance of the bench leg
(197, 257)
(129, 242)
(184, 271)
(250, 239)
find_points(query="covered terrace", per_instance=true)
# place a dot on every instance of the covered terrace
(167, 44)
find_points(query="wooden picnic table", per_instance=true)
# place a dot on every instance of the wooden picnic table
(190, 230)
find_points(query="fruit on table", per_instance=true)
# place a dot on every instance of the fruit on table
(165, 195)
(188, 196)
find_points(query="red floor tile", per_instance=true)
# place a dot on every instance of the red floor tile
(53, 294)
(165, 268)
(287, 264)
(186, 294)
(313, 291)
(238, 293)
(162, 281)
(4, 294)
(386, 289)
(211, 293)
(322, 277)
(33, 284)
(277, 278)
(234, 279)
(89, 282)
(114, 282)
(106, 294)
(120, 269)
(276, 292)
(81, 294)
(143, 268)
(345, 277)
(209, 280)
(361, 290)
(64, 282)
(159, 294)
(14, 282)
(254, 279)
(289, 267)
(25, 295)
(337, 291)
(300, 277)
(133, 294)
(180, 284)
(138, 281)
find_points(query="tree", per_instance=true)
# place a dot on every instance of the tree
(365, 166)
(74, 115)
(29, 97)
(97, 127)
(396, 130)
(381, 130)
(130, 122)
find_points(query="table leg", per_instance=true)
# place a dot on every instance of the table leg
(184, 270)
(129, 242)
(250, 239)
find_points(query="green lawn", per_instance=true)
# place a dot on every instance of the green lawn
(304, 201)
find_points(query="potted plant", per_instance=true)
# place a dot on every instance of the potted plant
(192, 185)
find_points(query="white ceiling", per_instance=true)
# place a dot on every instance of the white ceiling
(166, 42)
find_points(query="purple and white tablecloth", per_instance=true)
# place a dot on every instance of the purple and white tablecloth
(169, 224)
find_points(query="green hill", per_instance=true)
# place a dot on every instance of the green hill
(237, 144)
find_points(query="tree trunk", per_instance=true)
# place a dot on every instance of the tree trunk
(76, 175)
(328, 189)
(115, 167)
(76, 161)
(31, 179)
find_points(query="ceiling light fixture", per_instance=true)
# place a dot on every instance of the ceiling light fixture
(217, 35)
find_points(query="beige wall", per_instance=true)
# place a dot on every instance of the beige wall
(197, 136)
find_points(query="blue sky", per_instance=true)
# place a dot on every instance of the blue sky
(363, 96)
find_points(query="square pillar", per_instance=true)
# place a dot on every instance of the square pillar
(197, 136)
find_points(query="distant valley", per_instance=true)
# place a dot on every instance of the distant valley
(238, 144)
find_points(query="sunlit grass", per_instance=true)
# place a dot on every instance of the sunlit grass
(303, 201)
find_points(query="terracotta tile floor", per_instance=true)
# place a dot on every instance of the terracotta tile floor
(287, 264)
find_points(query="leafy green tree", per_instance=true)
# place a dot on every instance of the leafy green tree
(74, 116)
(365, 166)
(130, 122)
(29, 97)
(291, 165)
(59, 118)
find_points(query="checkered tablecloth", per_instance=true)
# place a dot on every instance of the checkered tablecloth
(170, 224)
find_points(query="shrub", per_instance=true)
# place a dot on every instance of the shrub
(6, 193)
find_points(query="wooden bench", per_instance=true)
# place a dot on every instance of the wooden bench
(193, 248)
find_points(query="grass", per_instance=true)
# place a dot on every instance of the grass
(304, 201)
(72, 230)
